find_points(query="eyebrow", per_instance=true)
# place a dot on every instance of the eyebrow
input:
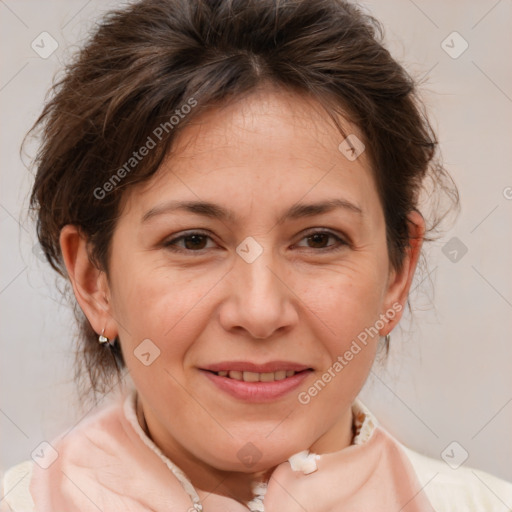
(215, 211)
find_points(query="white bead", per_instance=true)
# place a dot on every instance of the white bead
(304, 461)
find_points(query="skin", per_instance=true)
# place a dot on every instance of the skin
(298, 301)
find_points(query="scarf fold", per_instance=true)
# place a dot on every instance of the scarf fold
(108, 463)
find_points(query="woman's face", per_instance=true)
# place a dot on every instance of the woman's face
(260, 247)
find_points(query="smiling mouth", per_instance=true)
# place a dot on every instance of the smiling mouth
(257, 383)
(258, 377)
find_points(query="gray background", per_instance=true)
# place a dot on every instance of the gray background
(449, 374)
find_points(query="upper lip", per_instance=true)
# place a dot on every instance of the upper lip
(246, 366)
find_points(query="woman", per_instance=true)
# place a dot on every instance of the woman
(232, 189)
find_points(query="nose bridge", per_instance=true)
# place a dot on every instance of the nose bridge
(256, 270)
(261, 301)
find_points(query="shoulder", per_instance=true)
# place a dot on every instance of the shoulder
(465, 489)
(94, 433)
(462, 488)
(14, 489)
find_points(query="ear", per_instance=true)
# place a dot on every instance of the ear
(399, 282)
(89, 283)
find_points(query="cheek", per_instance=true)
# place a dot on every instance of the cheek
(163, 306)
(158, 304)
(347, 305)
(351, 340)
(166, 310)
(346, 313)
(346, 300)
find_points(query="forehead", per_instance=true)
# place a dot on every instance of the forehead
(268, 148)
(284, 123)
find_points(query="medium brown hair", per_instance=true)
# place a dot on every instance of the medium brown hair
(145, 62)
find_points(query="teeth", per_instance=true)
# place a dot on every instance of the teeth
(257, 377)
(251, 377)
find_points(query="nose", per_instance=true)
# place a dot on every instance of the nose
(260, 300)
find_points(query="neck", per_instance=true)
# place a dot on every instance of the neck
(204, 478)
(238, 486)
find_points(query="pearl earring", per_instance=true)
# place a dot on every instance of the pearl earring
(103, 339)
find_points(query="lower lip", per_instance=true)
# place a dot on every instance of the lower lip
(257, 391)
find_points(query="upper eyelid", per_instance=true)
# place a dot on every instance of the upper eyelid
(341, 239)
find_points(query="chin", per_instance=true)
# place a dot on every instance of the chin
(251, 458)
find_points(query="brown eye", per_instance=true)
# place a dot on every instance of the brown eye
(321, 239)
(192, 242)
(318, 240)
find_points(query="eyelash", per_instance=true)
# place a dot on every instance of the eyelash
(172, 244)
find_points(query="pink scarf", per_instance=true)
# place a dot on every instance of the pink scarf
(107, 463)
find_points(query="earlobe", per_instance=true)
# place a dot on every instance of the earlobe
(89, 283)
(400, 281)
